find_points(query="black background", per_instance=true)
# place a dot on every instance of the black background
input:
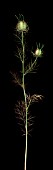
(36, 15)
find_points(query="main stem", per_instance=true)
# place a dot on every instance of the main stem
(25, 163)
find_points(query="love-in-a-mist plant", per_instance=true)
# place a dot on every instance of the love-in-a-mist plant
(22, 107)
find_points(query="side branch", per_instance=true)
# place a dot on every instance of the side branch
(31, 68)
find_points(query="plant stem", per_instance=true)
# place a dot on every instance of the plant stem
(25, 99)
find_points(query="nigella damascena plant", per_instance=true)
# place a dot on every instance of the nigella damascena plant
(22, 107)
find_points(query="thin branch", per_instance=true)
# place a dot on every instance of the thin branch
(29, 104)
(30, 124)
(30, 130)
(17, 36)
(30, 118)
(31, 67)
(20, 124)
(20, 54)
(19, 57)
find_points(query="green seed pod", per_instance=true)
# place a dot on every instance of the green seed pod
(38, 52)
(22, 26)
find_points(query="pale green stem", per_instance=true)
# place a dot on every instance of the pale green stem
(25, 100)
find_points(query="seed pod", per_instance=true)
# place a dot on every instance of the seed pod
(22, 26)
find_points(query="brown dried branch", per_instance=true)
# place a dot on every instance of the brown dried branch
(36, 98)
(16, 79)
(32, 99)
(20, 110)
